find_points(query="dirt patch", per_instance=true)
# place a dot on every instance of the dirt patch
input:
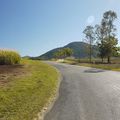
(9, 71)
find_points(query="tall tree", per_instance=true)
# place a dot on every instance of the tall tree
(110, 41)
(89, 34)
(100, 33)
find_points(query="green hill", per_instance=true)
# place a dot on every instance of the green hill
(79, 49)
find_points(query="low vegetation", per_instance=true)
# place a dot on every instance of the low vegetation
(25, 89)
(114, 65)
(9, 57)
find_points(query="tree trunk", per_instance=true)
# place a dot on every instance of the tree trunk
(90, 52)
(102, 60)
(109, 61)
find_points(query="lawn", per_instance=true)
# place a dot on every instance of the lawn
(25, 89)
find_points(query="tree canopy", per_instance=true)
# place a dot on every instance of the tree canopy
(105, 36)
(63, 53)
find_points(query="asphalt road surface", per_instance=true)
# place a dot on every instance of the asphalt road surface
(86, 94)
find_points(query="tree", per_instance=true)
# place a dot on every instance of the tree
(105, 34)
(109, 40)
(89, 34)
(63, 53)
(100, 33)
(58, 54)
(67, 52)
(117, 53)
(110, 47)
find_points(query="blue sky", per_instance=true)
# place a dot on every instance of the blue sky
(33, 27)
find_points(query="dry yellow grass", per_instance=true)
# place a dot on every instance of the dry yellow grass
(9, 57)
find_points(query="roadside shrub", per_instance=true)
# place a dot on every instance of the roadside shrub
(9, 57)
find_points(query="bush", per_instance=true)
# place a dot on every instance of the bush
(9, 57)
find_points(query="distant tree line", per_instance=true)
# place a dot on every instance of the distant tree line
(104, 35)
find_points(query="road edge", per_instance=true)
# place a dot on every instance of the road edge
(52, 99)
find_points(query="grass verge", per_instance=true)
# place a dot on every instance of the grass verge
(112, 66)
(25, 94)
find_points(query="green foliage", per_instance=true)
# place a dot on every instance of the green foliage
(107, 42)
(110, 46)
(90, 37)
(117, 54)
(110, 40)
(58, 54)
(89, 33)
(67, 52)
(63, 53)
(8, 57)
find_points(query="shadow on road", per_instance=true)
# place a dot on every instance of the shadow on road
(93, 70)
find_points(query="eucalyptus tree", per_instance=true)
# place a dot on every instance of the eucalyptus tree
(90, 38)
(110, 40)
(100, 34)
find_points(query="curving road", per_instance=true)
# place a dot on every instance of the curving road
(86, 94)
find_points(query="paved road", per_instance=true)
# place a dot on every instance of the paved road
(86, 94)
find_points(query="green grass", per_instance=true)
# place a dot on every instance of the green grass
(25, 96)
(9, 57)
(115, 65)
